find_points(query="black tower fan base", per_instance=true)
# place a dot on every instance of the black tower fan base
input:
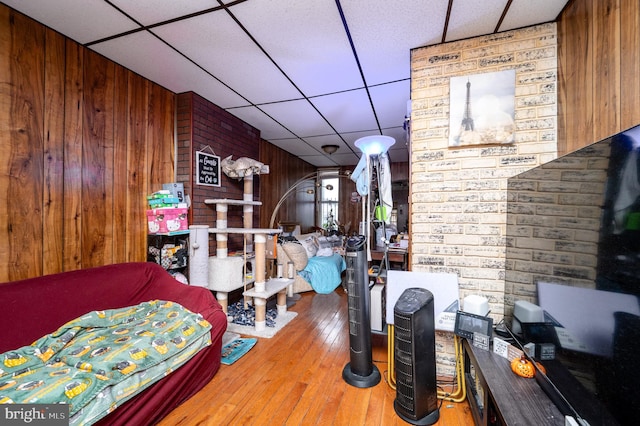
(427, 420)
(361, 381)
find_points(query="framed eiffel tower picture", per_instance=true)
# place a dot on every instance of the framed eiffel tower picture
(482, 109)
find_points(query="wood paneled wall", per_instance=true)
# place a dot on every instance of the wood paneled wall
(599, 71)
(84, 141)
(284, 170)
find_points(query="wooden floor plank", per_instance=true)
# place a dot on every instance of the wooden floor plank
(321, 392)
(295, 378)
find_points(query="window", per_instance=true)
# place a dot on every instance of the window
(328, 198)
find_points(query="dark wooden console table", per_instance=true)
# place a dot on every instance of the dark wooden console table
(394, 256)
(497, 396)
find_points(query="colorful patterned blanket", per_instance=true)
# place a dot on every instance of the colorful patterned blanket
(96, 362)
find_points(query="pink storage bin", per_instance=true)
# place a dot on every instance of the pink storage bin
(166, 220)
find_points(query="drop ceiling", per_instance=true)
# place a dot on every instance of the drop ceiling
(305, 73)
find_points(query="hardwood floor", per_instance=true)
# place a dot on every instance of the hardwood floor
(295, 378)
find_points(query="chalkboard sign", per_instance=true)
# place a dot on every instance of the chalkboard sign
(207, 169)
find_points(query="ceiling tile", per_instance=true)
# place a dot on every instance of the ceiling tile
(141, 52)
(523, 13)
(308, 41)
(471, 17)
(216, 43)
(385, 31)
(149, 12)
(80, 20)
(390, 101)
(299, 117)
(347, 111)
(296, 146)
(269, 129)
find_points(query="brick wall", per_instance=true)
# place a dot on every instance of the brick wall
(200, 124)
(459, 195)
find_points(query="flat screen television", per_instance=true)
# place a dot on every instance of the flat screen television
(573, 248)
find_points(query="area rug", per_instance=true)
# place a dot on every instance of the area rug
(242, 321)
(237, 348)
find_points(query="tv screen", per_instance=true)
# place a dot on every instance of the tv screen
(573, 248)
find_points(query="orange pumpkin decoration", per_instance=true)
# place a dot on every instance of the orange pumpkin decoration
(523, 367)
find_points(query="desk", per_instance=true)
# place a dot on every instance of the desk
(394, 255)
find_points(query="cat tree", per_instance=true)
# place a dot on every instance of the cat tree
(226, 273)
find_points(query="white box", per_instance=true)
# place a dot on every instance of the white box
(378, 307)
(477, 305)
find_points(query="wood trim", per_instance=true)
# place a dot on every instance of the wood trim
(137, 151)
(97, 155)
(73, 124)
(121, 212)
(53, 195)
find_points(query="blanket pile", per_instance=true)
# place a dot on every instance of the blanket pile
(324, 272)
(96, 362)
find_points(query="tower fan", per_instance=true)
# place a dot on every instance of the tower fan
(360, 371)
(415, 357)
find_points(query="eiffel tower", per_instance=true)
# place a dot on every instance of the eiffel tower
(467, 120)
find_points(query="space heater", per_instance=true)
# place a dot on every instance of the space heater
(360, 371)
(415, 357)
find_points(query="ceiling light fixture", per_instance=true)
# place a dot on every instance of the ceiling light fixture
(330, 149)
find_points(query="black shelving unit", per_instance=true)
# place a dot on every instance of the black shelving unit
(170, 250)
